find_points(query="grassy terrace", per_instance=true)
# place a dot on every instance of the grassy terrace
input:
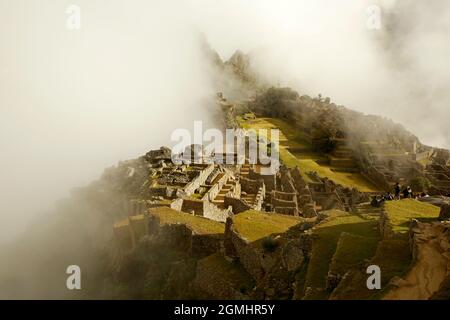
(326, 243)
(392, 255)
(401, 212)
(296, 151)
(199, 224)
(351, 251)
(255, 225)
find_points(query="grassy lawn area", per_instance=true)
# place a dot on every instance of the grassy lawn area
(401, 212)
(309, 164)
(306, 160)
(255, 225)
(324, 246)
(199, 224)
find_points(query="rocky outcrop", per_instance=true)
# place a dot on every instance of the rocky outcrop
(430, 244)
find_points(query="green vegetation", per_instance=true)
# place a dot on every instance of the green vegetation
(295, 150)
(401, 212)
(351, 251)
(392, 256)
(255, 225)
(420, 184)
(324, 246)
(199, 224)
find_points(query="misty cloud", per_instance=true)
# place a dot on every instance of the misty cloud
(75, 102)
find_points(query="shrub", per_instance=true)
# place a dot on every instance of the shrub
(420, 184)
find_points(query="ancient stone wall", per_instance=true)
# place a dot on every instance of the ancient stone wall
(385, 226)
(237, 205)
(283, 203)
(177, 204)
(285, 196)
(248, 256)
(211, 211)
(215, 189)
(205, 245)
(193, 206)
(183, 238)
(420, 156)
(199, 180)
(327, 200)
(269, 179)
(259, 199)
(290, 211)
(238, 248)
(251, 186)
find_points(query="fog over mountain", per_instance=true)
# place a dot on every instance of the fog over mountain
(75, 102)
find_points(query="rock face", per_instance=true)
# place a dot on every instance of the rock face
(431, 262)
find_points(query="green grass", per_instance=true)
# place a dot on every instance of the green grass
(394, 259)
(198, 224)
(324, 246)
(401, 212)
(306, 160)
(351, 251)
(256, 225)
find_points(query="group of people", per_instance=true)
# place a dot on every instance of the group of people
(407, 193)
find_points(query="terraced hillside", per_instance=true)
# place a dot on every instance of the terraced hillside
(295, 150)
(341, 241)
(392, 254)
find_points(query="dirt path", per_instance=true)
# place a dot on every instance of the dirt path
(425, 276)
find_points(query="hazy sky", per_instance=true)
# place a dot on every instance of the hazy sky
(74, 102)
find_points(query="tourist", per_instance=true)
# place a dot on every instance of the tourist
(410, 192)
(405, 193)
(397, 190)
(388, 196)
(376, 201)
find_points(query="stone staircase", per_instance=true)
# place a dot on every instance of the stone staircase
(245, 170)
(226, 188)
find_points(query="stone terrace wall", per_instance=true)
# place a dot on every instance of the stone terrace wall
(290, 211)
(177, 204)
(269, 180)
(182, 238)
(250, 186)
(211, 211)
(193, 206)
(238, 205)
(199, 180)
(385, 226)
(215, 189)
